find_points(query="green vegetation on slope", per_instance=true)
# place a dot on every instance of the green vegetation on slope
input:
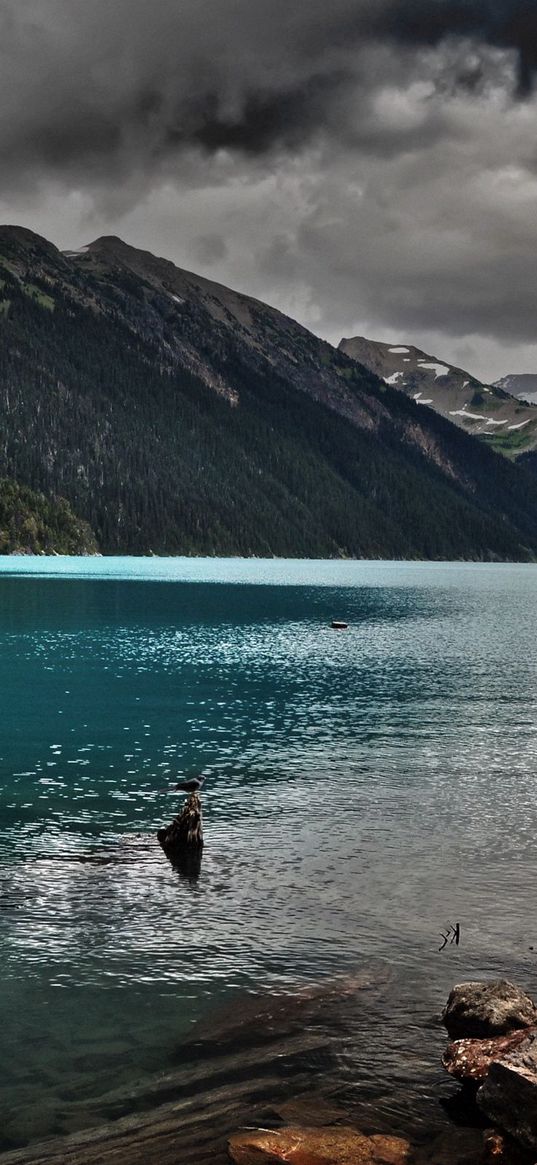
(30, 523)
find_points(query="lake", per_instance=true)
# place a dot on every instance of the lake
(365, 788)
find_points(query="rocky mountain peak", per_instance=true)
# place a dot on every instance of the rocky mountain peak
(523, 385)
(485, 411)
(23, 237)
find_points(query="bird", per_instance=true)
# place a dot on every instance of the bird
(190, 786)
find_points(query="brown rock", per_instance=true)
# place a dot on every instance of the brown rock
(509, 1093)
(471, 1059)
(493, 1147)
(478, 1010)
(500, 1149)
(316, 1146)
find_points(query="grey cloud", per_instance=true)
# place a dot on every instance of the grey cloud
(210, 248)
(506, 24)
(441, 241)
(278, 258)
(362, 164)
(124, 82)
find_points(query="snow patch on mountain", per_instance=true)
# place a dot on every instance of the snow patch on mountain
(438, 369)
(464, 413)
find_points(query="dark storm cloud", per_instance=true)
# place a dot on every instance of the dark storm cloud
(127, 79)
(506, 24)
(360, 163)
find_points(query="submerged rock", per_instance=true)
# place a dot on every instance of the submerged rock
(455, 1146)
(509, 1093)
(479, 1010)
(311, 1110)
(471, 1059)
(317, 1146)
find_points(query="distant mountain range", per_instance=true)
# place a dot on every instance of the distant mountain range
(523, 386)
(178, 416)
(490, 412)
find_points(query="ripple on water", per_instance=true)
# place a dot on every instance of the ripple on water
(362, 789)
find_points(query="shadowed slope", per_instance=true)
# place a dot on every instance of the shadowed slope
(177, 416)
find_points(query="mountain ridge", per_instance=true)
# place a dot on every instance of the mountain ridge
(522, 385)
(250, 318)
(488, 412)
(174, 424)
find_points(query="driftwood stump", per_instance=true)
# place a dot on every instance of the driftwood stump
(182, 841)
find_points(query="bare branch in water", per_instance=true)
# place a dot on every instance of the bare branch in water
(451, 935)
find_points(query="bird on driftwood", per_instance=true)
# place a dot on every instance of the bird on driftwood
(191, 786)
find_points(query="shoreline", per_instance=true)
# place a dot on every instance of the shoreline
(268, 1072)
(270, 1063)
(104, 555)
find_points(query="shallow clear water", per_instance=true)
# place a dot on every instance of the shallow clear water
(364, 788)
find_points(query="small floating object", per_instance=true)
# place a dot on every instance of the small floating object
(338, 625)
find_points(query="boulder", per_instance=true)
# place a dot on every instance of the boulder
(509, 1094)
(471, 1059)
(328, 1145)
(482, 1010)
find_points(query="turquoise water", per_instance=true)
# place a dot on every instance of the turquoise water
(364, 788)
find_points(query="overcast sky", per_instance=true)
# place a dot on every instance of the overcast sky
(367, 166)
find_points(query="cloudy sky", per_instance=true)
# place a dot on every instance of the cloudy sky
(368, 166)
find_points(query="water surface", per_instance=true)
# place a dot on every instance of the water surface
(364, 788)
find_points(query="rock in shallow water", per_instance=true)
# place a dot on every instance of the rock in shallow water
(509, 1093)
(500, 1149)
(456, 1146)
(478, 1010)
(471, 1059)
(316, 1146)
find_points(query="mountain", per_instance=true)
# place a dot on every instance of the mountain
(33, 524)
(485, 411)
(523, 386)
(178, 416)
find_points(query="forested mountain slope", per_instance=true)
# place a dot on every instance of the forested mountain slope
(177, 416)
(33, 524)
